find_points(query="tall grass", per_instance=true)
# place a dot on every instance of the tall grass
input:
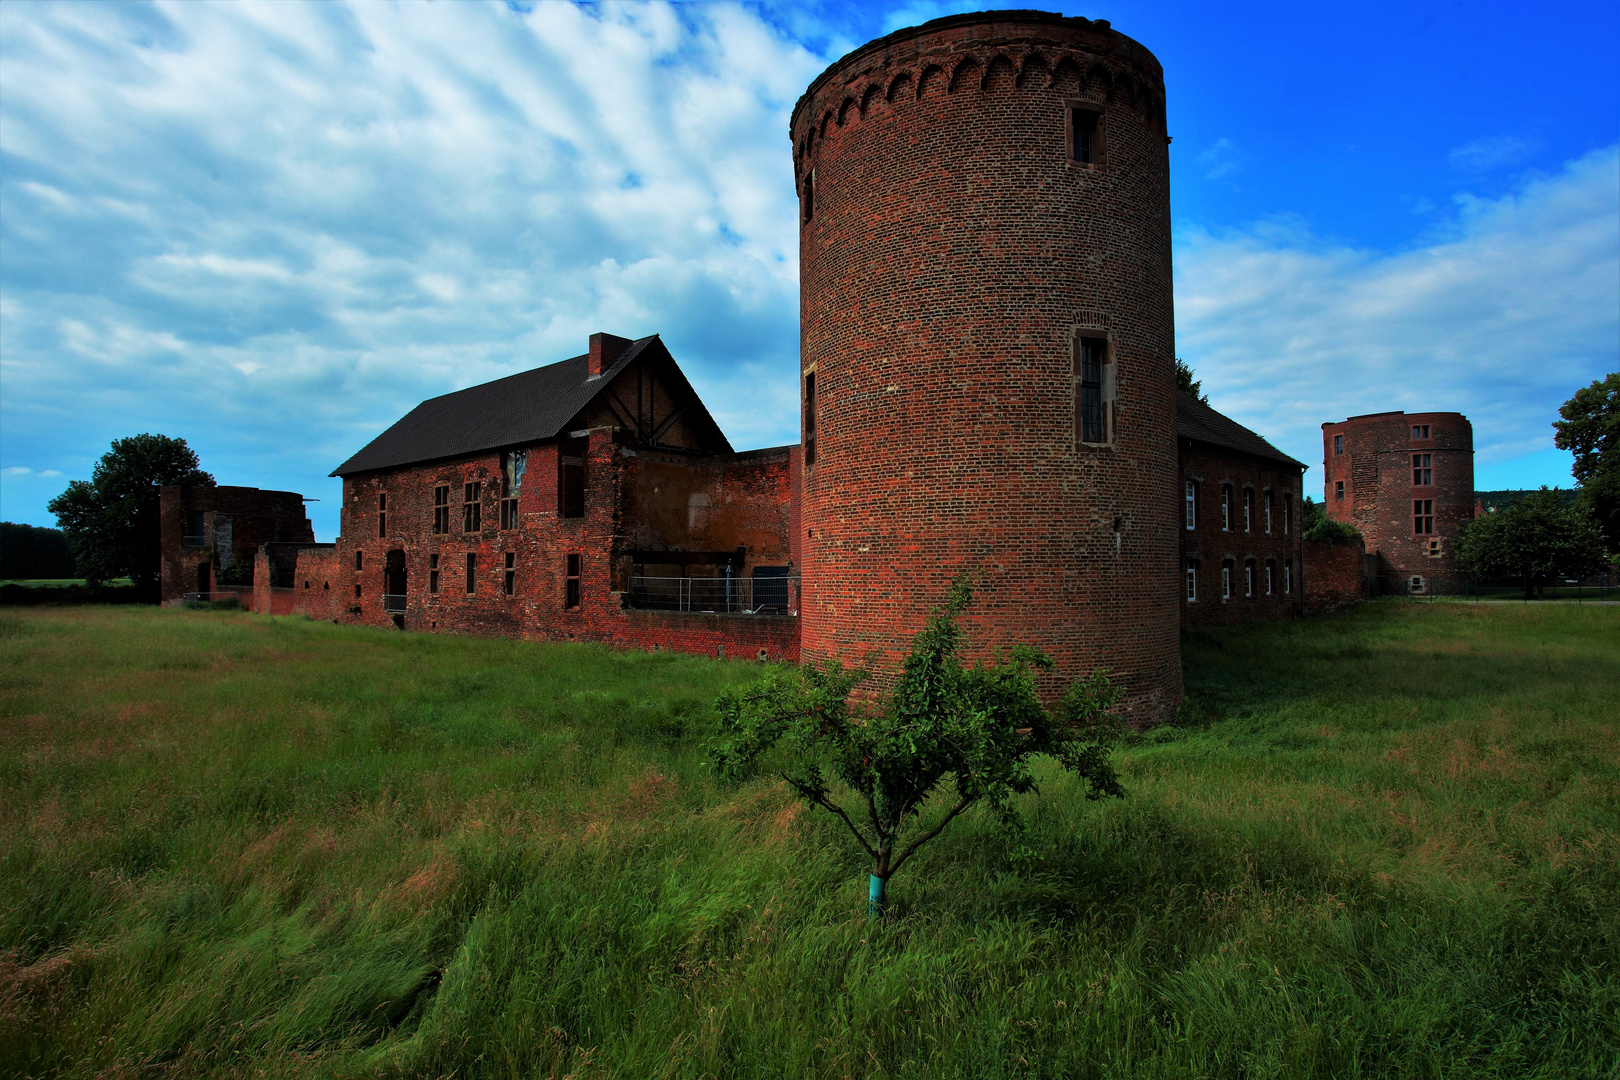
(1381, 844)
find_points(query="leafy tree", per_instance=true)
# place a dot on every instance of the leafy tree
(111, 520)
(1536, 540)
(1590, 428)
(1316, 525)
(1187, 384)
(969, 730)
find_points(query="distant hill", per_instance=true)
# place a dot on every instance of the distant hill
(28, 551)
(1496, 500)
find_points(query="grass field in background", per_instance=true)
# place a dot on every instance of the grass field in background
(1383, 843)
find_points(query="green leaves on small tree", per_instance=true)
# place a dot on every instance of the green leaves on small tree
(967, 732)
(1538, 539)
(1316, 525)
(111, 520)
(1590, 429)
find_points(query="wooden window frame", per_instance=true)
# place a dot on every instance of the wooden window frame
(382, 515)
(1422, 470)
(572, 590)
(441, 509)
(510, 570)
(433, 574)
(472, 507)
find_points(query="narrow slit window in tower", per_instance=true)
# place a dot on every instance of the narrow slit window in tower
(571, 582)
(810, 418)
(472, 572)
(1090, 359)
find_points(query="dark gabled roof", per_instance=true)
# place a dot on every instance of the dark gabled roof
(1200, 423)
(519, 410)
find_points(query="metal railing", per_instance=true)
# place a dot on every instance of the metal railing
(393, 601)
(194, 541)
(1465, 586)
(716, 596)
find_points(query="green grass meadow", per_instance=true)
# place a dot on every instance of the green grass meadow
(1380, 844)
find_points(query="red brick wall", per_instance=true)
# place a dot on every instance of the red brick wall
(1214, 542)
(1375, 466)
(256, 517)
(635, 498)
(1333, 574)
(953, 253)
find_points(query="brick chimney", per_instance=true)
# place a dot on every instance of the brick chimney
(605, 349)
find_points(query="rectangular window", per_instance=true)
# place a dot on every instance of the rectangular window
(1288, 513)
(472, 507)
(1288, 576)
(1226, 508)
(1268, 511)
(1420, 431)
(441, 510)
(1423, 517)
(1192, 581)
(513, 463)
(1271, 569)
(1338, 444)
(810, 418)
(1192, 505)
(1248, 509)
(357, 557)
(1226, 581)
(1085, 136)
(511, 572)
(1338, 490)
(357, 590)
(571, 478)
(382, 516)
(1090, 356)
(571, 583)
(1422, 470)
(809, 198)
(472, 572)
(433, 574)
(1248, 580)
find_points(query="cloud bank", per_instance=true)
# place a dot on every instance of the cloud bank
(273, 228)
(1502, 315)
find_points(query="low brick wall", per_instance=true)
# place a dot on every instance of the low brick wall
(1333, 574)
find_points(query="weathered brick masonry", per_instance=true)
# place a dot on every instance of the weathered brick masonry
(1333, 574)
(1405, 481)
(205, 532)
(1241, 551)
(632, 499)
(960, 258)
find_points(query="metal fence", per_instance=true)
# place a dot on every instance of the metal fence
(1468, 587)
(716, 596)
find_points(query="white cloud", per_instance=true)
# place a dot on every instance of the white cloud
(1221, 160)
(273, 228)
(1490, 152)
(1500, 316)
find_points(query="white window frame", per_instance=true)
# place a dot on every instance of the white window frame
(1192, 581)
(1192, 505)
(1226, 581)
(1288, 577)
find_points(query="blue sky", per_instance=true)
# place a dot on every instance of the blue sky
(272, 228)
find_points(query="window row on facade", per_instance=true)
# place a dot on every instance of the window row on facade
(1259, 579)
(570, 495)
(1251, 513)
(438, 567)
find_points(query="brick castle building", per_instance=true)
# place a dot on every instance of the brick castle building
(987, 385)
(987, 346)
(208, 537)
(1405, 481)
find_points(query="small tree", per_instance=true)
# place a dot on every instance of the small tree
(1536, 540)
(111, 520)
(971, 730)
(1187, 384)
(1590, 429)
(1316, 525)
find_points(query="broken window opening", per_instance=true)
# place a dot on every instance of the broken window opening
(382, 515)
(513, 462)
(571, 478)
(1091, 378)
(571, 582)
(433, 574)
(472, 572)
(511, 572)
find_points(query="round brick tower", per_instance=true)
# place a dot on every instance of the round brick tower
(987, 345)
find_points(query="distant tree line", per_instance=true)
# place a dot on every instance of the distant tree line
(30, 551)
